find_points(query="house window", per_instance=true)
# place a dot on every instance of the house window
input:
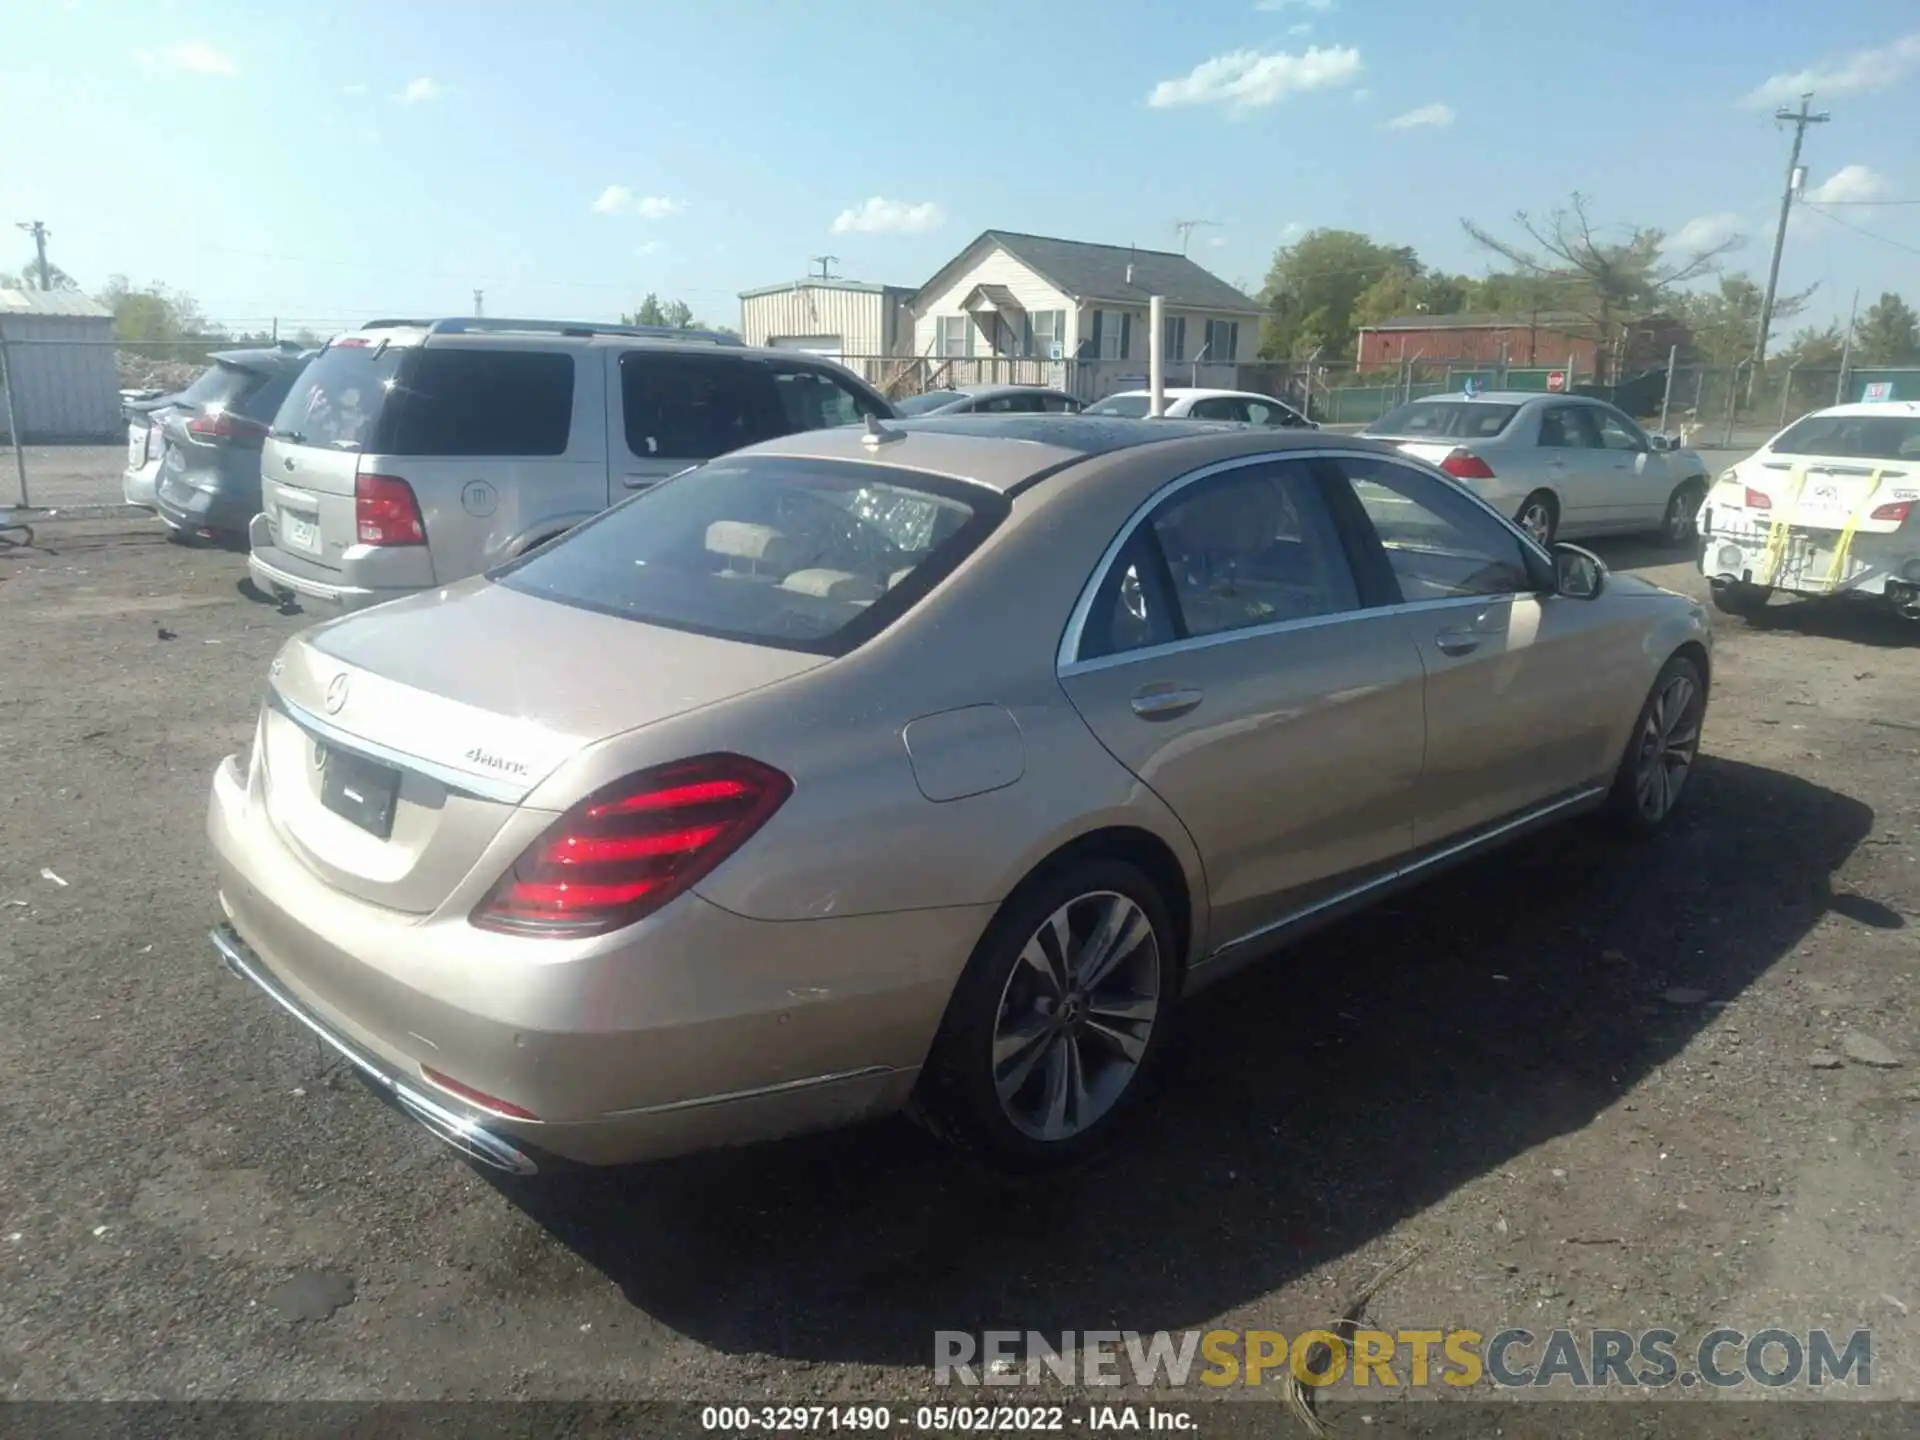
(955, 334)
(1173, 343)
(1112, 330)
(1045, 329)
(1223, 341)
(1123, 348)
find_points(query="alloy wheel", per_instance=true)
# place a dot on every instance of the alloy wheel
(1680, 511)
(1537, 520)
(1669, 743)
(1075, 1016)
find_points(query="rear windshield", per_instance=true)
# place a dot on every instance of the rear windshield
(932, 400)
(1853, 437)
(417, 400)
(221, 385)
(1444, 420)
(1133, 407)
(812, 555)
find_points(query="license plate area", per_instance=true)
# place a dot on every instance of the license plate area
(300, 532)
(359, 790)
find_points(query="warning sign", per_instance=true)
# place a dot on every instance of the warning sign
(1557, 381)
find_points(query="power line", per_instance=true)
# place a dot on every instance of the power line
(1821, 211)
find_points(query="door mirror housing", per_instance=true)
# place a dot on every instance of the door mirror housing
(1664, 442)
(1578, 574)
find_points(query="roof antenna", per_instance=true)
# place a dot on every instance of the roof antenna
(1130, 250)
(878, 434)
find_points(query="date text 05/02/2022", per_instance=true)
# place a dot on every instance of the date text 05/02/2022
(1109, 1419)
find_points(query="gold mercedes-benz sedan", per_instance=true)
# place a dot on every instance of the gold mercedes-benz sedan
(924, 767)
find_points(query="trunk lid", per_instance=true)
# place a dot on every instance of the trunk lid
(1828, 493)
(439, 713)
(1431, 451)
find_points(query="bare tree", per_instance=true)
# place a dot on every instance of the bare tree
(1611, 285)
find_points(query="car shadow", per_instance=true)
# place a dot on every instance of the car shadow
(1312, 1104)
(1860, 621)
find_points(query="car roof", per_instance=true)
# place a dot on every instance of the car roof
(1907, 408)
(977, 392)
(1200, 392)
(1499, 397)
(1005, 452)
(507, 332)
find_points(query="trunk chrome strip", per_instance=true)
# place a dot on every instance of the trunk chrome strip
(483, 787)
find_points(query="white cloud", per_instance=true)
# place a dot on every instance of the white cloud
(1217, 242)
(194, 56)
(1435, 115)
(1246, 80)
(1362, 95)
(650, 247)
(1293, 229)
(898, 217)
(1703, 232)
(619, 200)
(1849, 183)
(353, 89)
(1863, 70)
(1293, 5)
(423, 89)
(1304, 27)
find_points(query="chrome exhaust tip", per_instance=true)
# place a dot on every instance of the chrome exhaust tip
(469, 1139)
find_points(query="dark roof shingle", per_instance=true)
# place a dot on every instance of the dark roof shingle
(1099, 272)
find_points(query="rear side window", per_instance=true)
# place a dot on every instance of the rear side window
(1133, 407)
(814, 400)
(811, 555)
(264, 397)
(482, 402)
(1444, 420)
(220, 384)
(693, 407)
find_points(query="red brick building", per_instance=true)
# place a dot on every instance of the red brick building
(1546, 339)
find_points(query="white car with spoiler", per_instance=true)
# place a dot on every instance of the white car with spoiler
(1826, 507)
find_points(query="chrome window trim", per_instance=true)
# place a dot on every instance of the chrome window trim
(1066, 658)
(481, 786)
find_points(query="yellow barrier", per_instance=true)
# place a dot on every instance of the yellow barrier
(1782, 531)
(1838, 571)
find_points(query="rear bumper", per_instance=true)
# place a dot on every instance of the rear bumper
(694, 1029)
(1806, 565)
(138, 486)
(462, 1131)
(275, 570)
(186, 508)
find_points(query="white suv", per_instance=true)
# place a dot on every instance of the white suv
(413, 453)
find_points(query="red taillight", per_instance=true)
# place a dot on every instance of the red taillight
(1465, 465)
(477, 1097)
(385, 512)
(1896, 512)
(627, 850)
(224, 424)
(1758, 500)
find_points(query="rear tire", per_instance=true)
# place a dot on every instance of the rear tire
(1677, 526)
(1737, 597)
(1663, 749)
(1539, 516)
(1051, 1036)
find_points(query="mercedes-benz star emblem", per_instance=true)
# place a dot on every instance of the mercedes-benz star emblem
(336, 694)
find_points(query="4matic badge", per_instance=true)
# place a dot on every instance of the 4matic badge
(495, 762)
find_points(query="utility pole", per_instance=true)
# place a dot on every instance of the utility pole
(824, 262)
(1185, 228)
(39, 233)
(479, 307)
(1846, 353)
(1800, 119)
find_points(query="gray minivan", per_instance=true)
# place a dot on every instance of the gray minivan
(413, 453)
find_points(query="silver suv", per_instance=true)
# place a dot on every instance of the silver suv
(413, 453)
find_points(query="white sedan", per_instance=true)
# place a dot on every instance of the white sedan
(1190, 403)
(1826, 507)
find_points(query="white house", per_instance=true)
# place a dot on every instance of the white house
(1076, 315)
(840, 319)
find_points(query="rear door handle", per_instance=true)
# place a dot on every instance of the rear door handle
(1457, 642)
(1163, 703)
(640, 482)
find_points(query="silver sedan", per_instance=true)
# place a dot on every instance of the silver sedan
(1560, 465)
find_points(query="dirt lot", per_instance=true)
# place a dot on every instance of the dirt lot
(1582, 1077)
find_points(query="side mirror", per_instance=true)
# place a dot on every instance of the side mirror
(1665, 442)
(1578, 574)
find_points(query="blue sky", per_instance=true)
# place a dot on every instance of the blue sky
(326, 162)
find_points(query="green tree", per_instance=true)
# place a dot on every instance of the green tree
(676, 314)
(1314, 285)
(158, 322)
(1888, 334)
(1815, 349)
(1404, 291)
(28, 278)
(1611, 284)
(651, 312)
(1725, 320)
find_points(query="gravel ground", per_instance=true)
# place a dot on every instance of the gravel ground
(1583, 1077)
